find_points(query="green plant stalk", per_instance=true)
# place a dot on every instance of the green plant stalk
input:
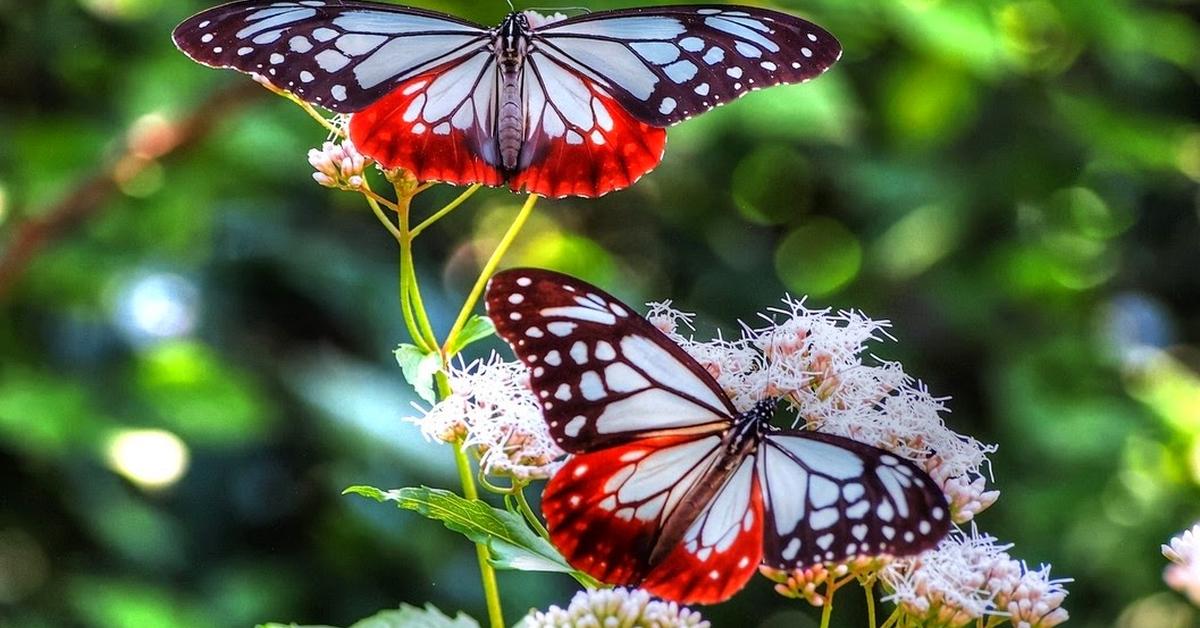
(491, 591)
(530, 516)
(827, 608)
(451, 206)
(870, 591)
(489, 268)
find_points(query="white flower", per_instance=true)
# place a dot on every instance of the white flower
(811, 583)
(1183, 574)
(338, 165)
(1035, 601)
(814, 360)
(968, 576)
(953, 584)
(618, 607)
(493, 409)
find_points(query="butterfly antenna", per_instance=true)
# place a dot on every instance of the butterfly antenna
(510, 6)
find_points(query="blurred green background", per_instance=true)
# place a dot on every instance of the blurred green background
(196, 340)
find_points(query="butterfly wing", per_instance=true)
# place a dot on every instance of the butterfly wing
(422, 83)
(667, 64)
(828, 498)
(607, 511)
(604, 374)
(341, 55)
(578, 139)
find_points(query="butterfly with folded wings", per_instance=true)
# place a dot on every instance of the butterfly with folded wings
(556, 107)
(669, 487)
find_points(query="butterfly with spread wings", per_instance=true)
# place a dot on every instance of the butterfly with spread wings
(574, 106)
(669, 487)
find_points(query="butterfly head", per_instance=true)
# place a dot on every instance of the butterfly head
(512, 39)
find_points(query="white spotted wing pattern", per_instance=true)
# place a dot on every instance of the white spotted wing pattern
(667, 64)
(586, 98)
(670, 488)
(340, 55)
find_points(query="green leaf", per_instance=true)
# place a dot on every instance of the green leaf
(412, 617)
(513, 544)
(477, 328)
(404, 617)
(419, 368)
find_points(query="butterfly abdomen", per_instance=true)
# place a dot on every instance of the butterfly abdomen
(510, 124)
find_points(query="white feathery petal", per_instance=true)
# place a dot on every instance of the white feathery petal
(953, 584)
(619, 607)
(493, 409)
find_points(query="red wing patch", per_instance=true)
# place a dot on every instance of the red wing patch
(438, 125)
(721, 550)
(605, 510)
(579, 140)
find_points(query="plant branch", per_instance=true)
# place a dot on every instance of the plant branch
(143, 148)
(487, 573)
(451, 206)
(489, 268)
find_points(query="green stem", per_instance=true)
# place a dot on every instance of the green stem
(870, 591)
(382, 216)
(489, 268)
(530, 516)
(491, 591)
(827, 608)
(418, 304)
(453, 205)
(892, 620)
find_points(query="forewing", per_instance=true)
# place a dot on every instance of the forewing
(342, 55)
(667, 64)
(605, 510)
(828, 498)
(603, 374)
(578, 139)
(721, 549)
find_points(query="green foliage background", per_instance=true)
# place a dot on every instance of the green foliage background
(1012, 182)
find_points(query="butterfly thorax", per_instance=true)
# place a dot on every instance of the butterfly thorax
(511, 45)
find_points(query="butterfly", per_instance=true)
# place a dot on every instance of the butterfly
(553, 106)
(669, 487)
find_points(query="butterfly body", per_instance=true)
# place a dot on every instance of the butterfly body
(557, 107)
(511, 45)
(670, 487)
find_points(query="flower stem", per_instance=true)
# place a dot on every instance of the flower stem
(530, 516)
(491, 591)
(489, 268)
(316, 115)
(827, 608)
(869, 589)
(446, 210)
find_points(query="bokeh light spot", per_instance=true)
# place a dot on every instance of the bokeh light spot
(927, 104)
(150, 458)
(917, 241)
(818, 258)
(156, 306)
(1034, 34)
(771, 185)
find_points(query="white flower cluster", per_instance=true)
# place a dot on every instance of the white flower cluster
(814, 360)
(618, 607)
(338, 166)
(969, 576)
(493, 409)
(1183, 574)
